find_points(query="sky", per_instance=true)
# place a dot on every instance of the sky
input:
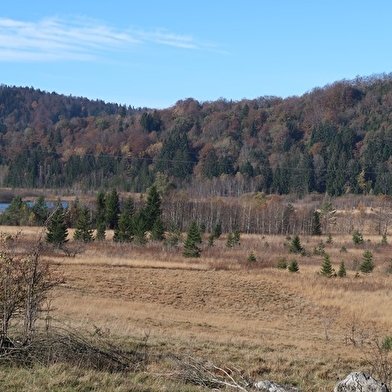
(154, 53)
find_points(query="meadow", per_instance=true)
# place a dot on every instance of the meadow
(249, 317)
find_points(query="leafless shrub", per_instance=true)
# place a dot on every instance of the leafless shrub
(209, 375)
(25, 280)
(80, 349)
(378, 355)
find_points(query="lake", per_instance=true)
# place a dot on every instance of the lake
(4, 206)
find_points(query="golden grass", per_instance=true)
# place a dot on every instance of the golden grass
(296, 328)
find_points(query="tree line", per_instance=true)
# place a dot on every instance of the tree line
(335, 140)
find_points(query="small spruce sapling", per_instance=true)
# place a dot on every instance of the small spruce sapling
(357, 237)
(342, 270)
(293, 266)
(367, 265)
(295, 245)
(326, 268)
(252, 257)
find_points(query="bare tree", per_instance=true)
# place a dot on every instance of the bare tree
(25, 282)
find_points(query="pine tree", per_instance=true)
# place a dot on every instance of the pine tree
(295, 246)
(293, 266)
(236, 237)
(101, 231)
(112, 209)
(326, 268)
(384, 239)
(124, 231)
(367, 265)
(357, 237)
(40, 211)
(316, 224)
(217, 231)
(84, 231)
(16, 213)
(158, 231)
(139, 227)
(230, 240)
(193, 238)
(152, 209)
(57, 231)
(342, 270)
(211, 240)
(252, 257)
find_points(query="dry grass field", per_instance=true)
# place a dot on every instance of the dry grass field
(301, 328)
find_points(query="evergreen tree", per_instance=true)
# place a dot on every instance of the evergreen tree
(367, 265)
(293, 266)
(84, 231)
(193, 238)
(40, 211)
(211, 240)
(233, 239)
(158, 231)
(357, 237)
(57, 231)
(252, 257)
(101, 231)
(326, 268)
(295, 246)
(139, 227)
(217, 231)
(124, 232)
(384, 239)
(316, 224)
(152, 209)
(230, 240)
(112, 209)
(342, 270)
(16, 213)
(237, 237)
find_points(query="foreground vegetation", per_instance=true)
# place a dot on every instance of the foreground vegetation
(190, 320)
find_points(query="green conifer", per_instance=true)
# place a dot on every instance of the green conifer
(193, 238)
(326, 268)
(112, 209)
(84, 231)
(342, 270)
(293, 266)
(295, 246)
(124, 231)
(57, 231)
(367, 265)
(152, 209)
(252, 257)
(316, 224)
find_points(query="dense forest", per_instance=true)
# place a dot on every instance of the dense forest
(336, 140)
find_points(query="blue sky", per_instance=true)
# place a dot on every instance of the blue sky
(154, 53)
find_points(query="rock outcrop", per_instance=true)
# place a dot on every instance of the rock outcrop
(360, 382)
(270, 386)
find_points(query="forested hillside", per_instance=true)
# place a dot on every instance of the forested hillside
(336, 139)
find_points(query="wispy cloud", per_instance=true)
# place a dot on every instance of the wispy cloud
(78, 39)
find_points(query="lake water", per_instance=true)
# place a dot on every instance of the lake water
(4, 206)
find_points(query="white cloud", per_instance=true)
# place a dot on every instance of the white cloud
(54, 39)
